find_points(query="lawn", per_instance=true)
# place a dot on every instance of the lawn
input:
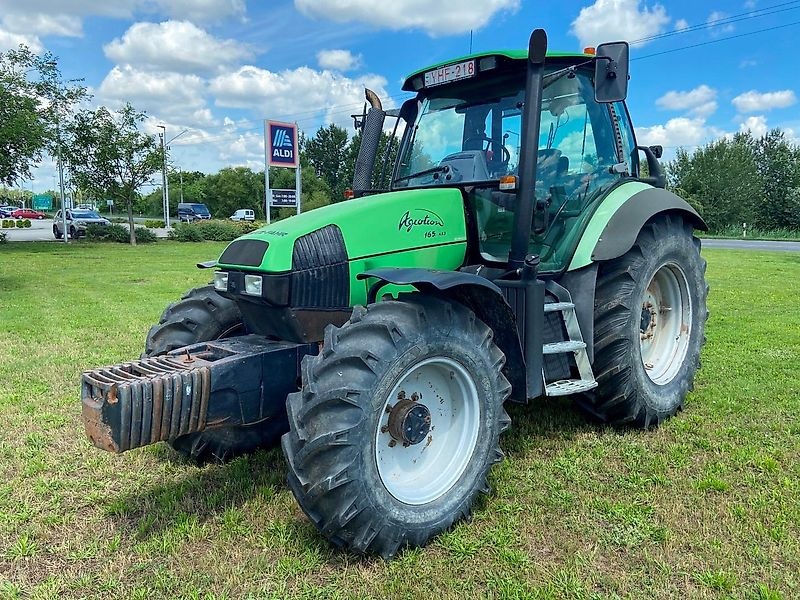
(707, 506)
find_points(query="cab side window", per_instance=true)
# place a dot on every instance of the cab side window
(631, 156)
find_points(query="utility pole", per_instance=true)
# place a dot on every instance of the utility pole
(61, 181)
(165, 149)
(164, 197)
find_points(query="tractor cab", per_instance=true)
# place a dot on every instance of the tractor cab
(464, 129)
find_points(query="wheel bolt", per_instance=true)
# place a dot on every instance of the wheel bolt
(392, 443)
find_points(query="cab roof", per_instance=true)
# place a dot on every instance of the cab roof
(520, 55)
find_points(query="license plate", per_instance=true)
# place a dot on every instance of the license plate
(462, 70)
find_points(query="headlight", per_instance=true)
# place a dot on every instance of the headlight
(252, 285)
(221, 281)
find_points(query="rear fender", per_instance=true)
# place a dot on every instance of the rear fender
(615, 226)
(480, 295)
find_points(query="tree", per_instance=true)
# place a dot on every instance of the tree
(720, 180)
(109, 156)
(778, 166)
(33, 101)
(326, 153)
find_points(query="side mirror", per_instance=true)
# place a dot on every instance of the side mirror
(658, 151)
(611, 72)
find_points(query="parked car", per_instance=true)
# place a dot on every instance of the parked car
(27, 213)
(192, 211)
(5, 211)
(77, 222)
(243, 214)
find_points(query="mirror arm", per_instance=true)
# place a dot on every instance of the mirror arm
(657, 176)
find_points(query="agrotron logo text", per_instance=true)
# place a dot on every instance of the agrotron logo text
(283, 149)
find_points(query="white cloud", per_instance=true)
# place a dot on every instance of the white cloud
(681, 24)
(700, 102)
(681, 131)
(153, 92)
(448, 17)
(196, 10)
(297, 92)
(754, 101)
(338, 60)
(757, 125)
(178, 46)
(11, 41)
(612, 20)
(41, 24)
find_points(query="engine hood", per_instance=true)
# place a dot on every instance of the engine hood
(355, 230)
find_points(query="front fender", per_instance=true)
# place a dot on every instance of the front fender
(478, 294)
(615, 226)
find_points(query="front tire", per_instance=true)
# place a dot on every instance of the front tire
(203, 315)
(393, 434)
(650, 314)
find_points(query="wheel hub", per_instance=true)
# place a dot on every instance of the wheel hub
(409, 422)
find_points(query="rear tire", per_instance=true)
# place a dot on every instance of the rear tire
(650, 315)
(361, 487)
(203, 315)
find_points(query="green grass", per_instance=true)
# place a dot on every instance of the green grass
(704, 507)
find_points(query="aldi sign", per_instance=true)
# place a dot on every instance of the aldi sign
(282, 140)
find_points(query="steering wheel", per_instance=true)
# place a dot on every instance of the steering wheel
(493, 141)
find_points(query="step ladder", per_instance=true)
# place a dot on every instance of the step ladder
(574, 344)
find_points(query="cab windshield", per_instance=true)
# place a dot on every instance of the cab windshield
(462, 136)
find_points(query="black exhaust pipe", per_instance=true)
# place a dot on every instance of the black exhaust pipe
(370, 139)
(531, 121)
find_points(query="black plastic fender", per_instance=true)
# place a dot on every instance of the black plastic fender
(622, 229)
(478, 294)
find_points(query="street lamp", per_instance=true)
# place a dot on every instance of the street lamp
(165, 179)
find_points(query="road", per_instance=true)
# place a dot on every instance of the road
(42, 231)
(753, 245)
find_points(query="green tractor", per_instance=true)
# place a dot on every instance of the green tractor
(518, 250)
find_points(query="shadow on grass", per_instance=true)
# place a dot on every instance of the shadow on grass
(204, 493)
(217, 492)
(547, 419)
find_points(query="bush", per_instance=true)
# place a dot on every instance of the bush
(8, 223)
(118, 233)
(153, 223)
(218, 231)
(26, 223)
(21, 224)
(3, 239)
(144, 235)
(184, 232)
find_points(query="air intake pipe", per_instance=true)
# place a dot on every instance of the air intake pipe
(370, 138)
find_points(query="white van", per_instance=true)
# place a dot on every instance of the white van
(243, 214)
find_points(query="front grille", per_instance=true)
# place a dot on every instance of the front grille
(320, 271)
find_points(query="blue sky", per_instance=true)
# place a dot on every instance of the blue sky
(216, 68)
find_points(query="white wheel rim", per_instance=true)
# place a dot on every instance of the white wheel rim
(421, 473)
(666, 324)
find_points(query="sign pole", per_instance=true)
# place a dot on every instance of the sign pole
(298, 182)
(267, 199)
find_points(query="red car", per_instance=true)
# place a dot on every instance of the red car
(27, 213)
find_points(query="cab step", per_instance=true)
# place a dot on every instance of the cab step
(574, 344)
(567, 387)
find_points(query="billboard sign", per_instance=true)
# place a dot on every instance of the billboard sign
(42, 202)
(282, 140)
(282, 198)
